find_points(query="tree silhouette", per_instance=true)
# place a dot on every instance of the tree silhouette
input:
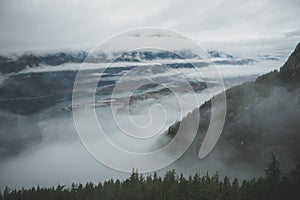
(173, 186)
(273, 172)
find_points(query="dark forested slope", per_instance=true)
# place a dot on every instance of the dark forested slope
(262, 117)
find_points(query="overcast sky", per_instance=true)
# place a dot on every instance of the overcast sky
(36, 24)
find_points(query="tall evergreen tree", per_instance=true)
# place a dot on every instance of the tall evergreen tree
(273, 172)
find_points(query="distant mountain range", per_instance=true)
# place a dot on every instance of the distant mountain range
(262, 117)
(10, 64)
(25, 91)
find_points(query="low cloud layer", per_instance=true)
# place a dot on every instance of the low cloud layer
(44, 148)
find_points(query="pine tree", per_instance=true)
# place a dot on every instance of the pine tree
(235, 190)
(273, 172)
(6, 192)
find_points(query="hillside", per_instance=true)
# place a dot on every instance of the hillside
(262, 117)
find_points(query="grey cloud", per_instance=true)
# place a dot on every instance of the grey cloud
(17, 132)
(56, 24)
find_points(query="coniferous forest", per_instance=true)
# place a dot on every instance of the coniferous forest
(274, 185)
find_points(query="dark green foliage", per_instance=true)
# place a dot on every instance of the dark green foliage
(174, 186)
(273, 172)
(172, 131)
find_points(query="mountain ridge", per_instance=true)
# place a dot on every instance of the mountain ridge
(18, 63)
(262, 118)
